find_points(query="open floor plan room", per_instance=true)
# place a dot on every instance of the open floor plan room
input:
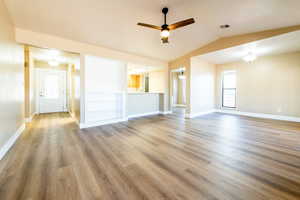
(150, 100)
(218, 156)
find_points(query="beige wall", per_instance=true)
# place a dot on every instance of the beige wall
(11, 80)
(222, 43)
(29, 76)
(202, 93)
(32, 86)
(182, 63)
(50, 41)
(45, 65)
(157, 81)
(179, 89)
(75, 92)
(269, 85)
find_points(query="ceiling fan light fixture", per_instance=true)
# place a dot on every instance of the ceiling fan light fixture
(165, 33)
(165, 28)
(181, 75)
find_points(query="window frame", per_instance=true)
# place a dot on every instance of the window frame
(223, 89)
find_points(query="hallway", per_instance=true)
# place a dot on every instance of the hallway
(159, 157)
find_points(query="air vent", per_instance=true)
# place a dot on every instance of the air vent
(225, 26)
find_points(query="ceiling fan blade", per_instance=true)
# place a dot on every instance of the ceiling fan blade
(149, 26)
(181, 24)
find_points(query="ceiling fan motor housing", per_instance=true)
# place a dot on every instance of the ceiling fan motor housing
(165, 10)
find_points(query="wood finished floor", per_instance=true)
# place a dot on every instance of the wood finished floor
(216, 156)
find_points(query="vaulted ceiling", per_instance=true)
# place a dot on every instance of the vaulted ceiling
(285, 43)
(112, 23)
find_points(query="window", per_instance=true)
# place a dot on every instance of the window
(229, 89)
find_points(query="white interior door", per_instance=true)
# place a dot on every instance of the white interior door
(52, 91)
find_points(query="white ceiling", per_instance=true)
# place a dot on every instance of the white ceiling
(112, 23)
(285, 43)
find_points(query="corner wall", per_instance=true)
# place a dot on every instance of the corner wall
(202, 89)
(11, 83)
(269, 85)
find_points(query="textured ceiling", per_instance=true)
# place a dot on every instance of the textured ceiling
(112, 23)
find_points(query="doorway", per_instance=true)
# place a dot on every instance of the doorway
(52, 87)
(178, 98)
(52, 82)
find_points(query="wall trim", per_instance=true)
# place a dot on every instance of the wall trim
(29, 119)
(193, 115)
(143, 114)
(166, 112)
(101, 123)
(73, 116)
(260, 115)
(11, 141)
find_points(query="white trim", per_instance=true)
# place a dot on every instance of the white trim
(11, 141)
(166, 112)
(179, 105)
(73, 116)
(100, 123)
(143, 114)
(193, 115)
(261, 115)
(29, 119)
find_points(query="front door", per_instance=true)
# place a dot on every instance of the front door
(52, 91)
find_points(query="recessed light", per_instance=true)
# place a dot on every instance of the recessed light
(225, 26)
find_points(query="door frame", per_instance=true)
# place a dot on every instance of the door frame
(171, 75)
(37, 87)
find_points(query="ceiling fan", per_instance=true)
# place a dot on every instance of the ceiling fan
(165, 28)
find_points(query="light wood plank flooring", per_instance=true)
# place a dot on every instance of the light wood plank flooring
(216, 156)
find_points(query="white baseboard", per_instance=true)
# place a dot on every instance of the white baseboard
(261, 115)
(73, 116)
(143, 114)
(29, 119)
(100, 123)
(149, 114)
(193, 115)
(179, 105)
(11, 141)
(166, 112)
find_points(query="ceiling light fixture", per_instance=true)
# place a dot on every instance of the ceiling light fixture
(165, 28)
(53, 52)
(53, 63)
(250, 57)
(181, 75)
